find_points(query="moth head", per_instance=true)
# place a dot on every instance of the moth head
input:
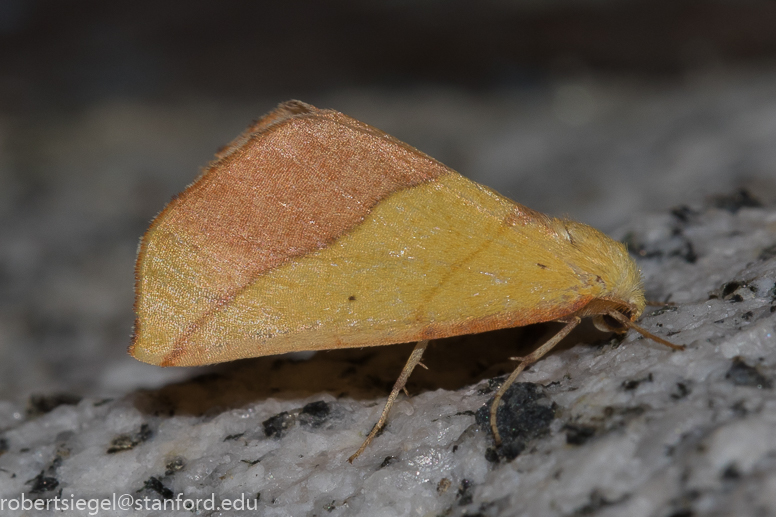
(620, 319)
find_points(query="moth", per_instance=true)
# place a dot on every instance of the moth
(314, 231)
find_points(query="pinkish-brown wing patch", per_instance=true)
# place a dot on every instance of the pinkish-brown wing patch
(293, 183)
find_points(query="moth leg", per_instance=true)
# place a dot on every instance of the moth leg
(524, 362)
(414, 359)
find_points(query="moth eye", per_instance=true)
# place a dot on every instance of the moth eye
(606, 323)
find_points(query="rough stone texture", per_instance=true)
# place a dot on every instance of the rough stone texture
(636, 429)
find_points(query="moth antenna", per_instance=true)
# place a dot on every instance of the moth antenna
(644, 332)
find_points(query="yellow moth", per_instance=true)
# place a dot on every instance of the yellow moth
(315, 231)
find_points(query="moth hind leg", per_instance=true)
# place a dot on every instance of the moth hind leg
(412, 362)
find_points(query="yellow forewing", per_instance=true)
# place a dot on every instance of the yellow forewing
(442, 258)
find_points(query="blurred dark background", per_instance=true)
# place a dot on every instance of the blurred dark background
(602, 110)
(68, 54)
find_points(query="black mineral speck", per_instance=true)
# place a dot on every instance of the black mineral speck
(736, 201)
(632, 384)
(491, 386)
(578, 434)
(465, 495)
(3, 446)
(682, 390)
(686, 252)
(491, 455)
(520, 418)
(156, 485)
(174, 465)
(42, 404)
(42, 483)
(683, 213)
(731, 473)
(729, 288)
(730, 291)
(126, 442)
(276, 425)
(741, 374)
(387, 461)
(314, 414)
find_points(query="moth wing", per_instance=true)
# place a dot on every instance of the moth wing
(315, 231)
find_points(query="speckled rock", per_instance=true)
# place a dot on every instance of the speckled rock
(628, 426)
